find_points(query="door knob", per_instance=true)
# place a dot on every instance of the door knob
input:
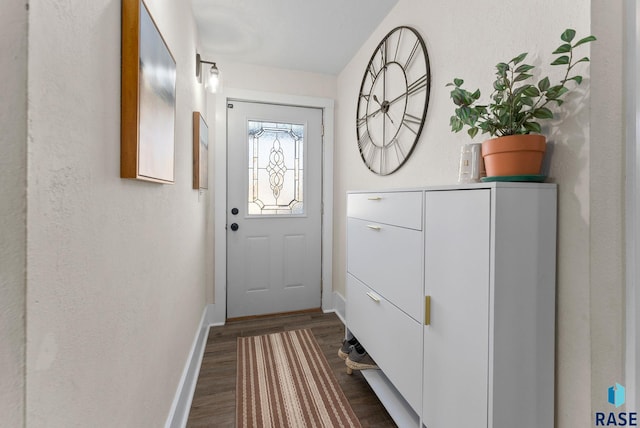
(234, 226)
(234, 211)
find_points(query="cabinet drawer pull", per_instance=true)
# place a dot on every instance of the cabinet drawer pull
(373, 227)
(374, 198)
(427, 310)
(373, 297)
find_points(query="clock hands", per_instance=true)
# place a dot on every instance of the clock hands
(412, 88)
(375, 98)
(363, 119)
(384, 107)
(417, 85)
(374, 113)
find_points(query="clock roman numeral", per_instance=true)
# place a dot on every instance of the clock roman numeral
(372, 71)
(412, 54)
(368, 153)
(363, 140)
(395, 143)
(409, 120)
(395, 54)
(398, 148)
(419, 84)
(383, 54)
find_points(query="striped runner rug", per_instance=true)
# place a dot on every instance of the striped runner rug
(284, 380)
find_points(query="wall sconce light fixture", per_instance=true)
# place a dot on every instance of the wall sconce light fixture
(212, 77)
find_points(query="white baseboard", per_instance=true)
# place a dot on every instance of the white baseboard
(179, 413)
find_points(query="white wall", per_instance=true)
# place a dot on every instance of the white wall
(116, 268)
(632, 204)
(607, 199)
(275, 80)
(13, 175)
(466, 41)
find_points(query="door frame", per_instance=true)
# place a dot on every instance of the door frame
(220, 200)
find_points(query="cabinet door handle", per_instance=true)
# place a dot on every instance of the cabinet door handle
(373, 297)
(374, 198)
(373, 227)
(427, 310)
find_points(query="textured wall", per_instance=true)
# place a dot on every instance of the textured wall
(466, 42)
(117, 268)
(13, 175)
(607, 200)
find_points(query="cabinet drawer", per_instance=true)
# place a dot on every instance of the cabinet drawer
(397, 208)
(388, 259)
(393, 339)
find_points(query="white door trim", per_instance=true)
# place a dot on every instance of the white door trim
(632, 214)
(220, 200)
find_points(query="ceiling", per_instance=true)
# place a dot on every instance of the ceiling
(309, 35)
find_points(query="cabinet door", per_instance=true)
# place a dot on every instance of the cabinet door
(391, 337)
(389, 260)
(456, 342)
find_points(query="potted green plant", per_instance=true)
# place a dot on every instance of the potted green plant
(515, 108)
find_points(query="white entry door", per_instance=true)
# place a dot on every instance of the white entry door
(274, 208)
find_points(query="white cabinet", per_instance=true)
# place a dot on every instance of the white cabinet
(456, 360)
(452, 291)
(385, 284)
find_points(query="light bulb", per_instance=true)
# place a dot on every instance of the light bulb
(214, 79)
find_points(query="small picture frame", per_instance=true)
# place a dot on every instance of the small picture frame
(200, 152)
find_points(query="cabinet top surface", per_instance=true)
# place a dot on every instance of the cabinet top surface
(466, 186)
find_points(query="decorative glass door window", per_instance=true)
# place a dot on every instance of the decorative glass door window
(276, 169)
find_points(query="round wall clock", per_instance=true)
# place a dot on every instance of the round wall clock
(393, 100)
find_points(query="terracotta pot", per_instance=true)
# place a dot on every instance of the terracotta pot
(514, 155)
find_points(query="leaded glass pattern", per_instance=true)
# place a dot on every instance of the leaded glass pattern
(276, 168)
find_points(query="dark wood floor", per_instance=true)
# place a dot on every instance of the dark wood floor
(214, 399)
